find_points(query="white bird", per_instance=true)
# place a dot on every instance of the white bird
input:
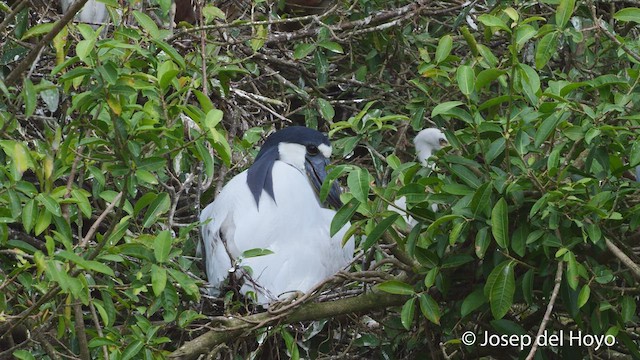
(274, 206)
(427, 142)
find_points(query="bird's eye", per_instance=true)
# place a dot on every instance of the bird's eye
(312, 150)
(443, 142)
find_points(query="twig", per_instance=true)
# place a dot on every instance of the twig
(547, 314)
(96, 224)
(635, 268)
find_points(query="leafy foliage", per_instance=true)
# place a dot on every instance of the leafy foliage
(112, 138)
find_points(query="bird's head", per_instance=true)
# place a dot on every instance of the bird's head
(305, 149)
(427, 142)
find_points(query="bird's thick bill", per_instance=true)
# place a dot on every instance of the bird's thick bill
(316, 168)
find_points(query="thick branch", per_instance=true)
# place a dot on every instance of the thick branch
(236, 327)
(635, 268)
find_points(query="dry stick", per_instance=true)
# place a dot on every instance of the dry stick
(635, 268)
(47, 39)
(81, 334)
(97, 223)
(311, 311)
(96, 322)
(547, 314)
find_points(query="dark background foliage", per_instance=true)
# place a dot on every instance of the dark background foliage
(114, 136)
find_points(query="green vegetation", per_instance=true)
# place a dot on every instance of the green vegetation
(112, 139)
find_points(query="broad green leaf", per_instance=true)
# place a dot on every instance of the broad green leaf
(429, 308)
(158, 279)
(628, 14)
(466, 79)
(91, 265)
(159, 206)
(407, 313)
(472, 302)
(332, 46)
(377, 231)
(564, 12)
(444, 107)
(482, 242)
(23, 355)
(255, 253)
(162, 246)
(548, 126)
(326, 109)
(49, 203)
(37, 30)
(572, 274)
(583, 297)
(493, 21)
(28, 215)
(147, 23)
(500, 223)
(358, 181)
(344, 215)
(82, 201)
(445, 44)
(500, 288)
(302, 50)
(30, 97)
(628, 309)
(547, 46)
(132, 349)
(396, 287)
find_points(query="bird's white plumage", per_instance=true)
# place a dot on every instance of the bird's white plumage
(427, 142)
(295, 228)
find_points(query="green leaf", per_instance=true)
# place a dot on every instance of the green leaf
(564, 12)
(547, 46)
(326, 109)
(377, 231)
(332, 46)
(23, 355)
(572, 274)
(344, 215)
(500, 223)
(132, 350)
(628, 309)
(358, 182)
(37, 30)
(159, 206)
(302, 50)
(429, 308)
(500, 288)
(548, 126)
(83, 202)
(445, 44)
(583, 297)
(628, 14)
(30, 97)
(147, 24)
(407, 313)
(482, 242)
(396, 287)
(444, 107)
(493, 21)
(91, 265)
(259, 37)
(255, 253)
(466, 79)
(158, 279)
(28, 215)
(50, 204)
(472, 302)
(162, 246)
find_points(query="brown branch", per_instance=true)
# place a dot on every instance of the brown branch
(15, 75)
(547, 314)
(81, 334)
(635, 268)
(311, 311)
(98, 221)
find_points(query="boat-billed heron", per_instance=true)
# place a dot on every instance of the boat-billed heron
(274, 206)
